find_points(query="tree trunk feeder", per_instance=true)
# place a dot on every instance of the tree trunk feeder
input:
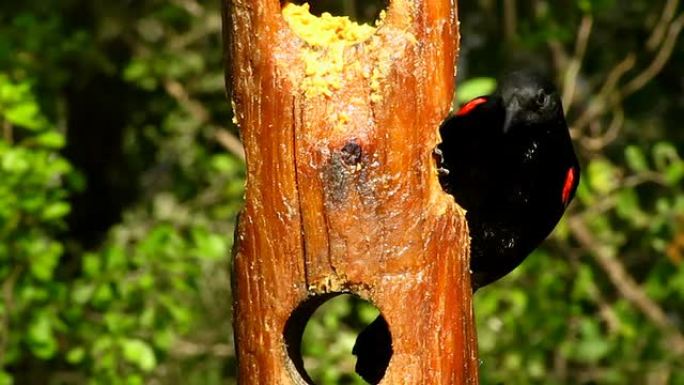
(339, 122)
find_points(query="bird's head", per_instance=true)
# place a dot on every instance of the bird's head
(529, 100)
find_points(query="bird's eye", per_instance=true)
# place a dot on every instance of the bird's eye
(542, 98)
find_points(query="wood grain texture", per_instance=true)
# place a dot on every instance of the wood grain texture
(354, 204)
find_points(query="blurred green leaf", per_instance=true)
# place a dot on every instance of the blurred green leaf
(5, 378)
(628, 208)
(44, 259)
(92, 264)
(139, 353)
(75, 355)
(14, 161)
(55, 210)
(210, 246)
(636, 160)
(591, 347)
(51, 140)
(602, 176)
(41, 338)
(472, 88)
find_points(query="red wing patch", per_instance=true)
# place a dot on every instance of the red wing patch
(569, 184)
(468, 107)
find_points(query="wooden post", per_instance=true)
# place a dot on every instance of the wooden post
(342, 191)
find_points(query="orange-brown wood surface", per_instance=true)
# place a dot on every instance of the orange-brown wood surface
(349, 205)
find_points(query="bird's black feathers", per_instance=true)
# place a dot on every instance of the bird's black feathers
(508, 161)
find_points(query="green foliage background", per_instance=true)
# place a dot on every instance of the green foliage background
(120, 179)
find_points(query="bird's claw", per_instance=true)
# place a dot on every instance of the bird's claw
(439, 156)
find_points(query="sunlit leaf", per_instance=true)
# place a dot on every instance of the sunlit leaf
(76, 355)
(474, 87)
(40, 336)
(602, 176)
(139, 353)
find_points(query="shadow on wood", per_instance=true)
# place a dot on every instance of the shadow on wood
(342, 192)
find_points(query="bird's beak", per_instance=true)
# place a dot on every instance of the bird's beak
(512, 110)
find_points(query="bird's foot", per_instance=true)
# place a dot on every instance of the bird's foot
(439, 157)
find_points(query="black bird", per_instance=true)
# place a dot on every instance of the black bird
(507, 159)
(512, 166)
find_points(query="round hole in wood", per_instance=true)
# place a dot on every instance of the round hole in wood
(338, 339)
